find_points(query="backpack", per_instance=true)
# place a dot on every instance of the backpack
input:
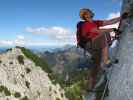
(81, 40)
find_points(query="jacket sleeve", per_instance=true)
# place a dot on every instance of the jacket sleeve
(99, 23)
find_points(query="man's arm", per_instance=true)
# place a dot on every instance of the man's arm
(96, 30)
(111, 21)
(102, 31)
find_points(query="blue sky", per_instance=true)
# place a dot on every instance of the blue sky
(47, 22)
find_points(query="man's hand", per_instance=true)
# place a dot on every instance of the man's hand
(116, 31)
(125, 15)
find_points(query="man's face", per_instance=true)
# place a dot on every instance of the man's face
(88, 16)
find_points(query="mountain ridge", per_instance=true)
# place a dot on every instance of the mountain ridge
(23, 79)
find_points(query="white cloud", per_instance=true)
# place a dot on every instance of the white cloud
(6, 42)
(19, 41)
(57, 35)
(20, 37)
(113, 15)
(22, 41)
(48, 43)
(55, 32)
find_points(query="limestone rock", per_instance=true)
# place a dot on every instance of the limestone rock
(21, 79)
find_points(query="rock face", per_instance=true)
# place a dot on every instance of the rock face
(21, 79)
(121, 83)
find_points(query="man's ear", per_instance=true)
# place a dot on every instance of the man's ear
(92, 14)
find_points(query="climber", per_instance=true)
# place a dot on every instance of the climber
(93, 39)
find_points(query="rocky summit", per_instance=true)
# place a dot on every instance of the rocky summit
(22, 79)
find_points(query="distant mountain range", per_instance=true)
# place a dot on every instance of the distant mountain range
(65, 61)
(39, 48)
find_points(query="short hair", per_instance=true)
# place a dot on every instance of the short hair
(83, 11)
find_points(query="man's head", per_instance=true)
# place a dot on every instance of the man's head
(86, 14)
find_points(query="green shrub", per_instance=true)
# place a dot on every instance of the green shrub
(17, 95)
(0, 61)
(57, 98)
(9, 49)
(62, 95)
(20, 59)
(75, 91)
(27, 84)
(25, 98)
(28, 70)
(2, 88)
(6, 91)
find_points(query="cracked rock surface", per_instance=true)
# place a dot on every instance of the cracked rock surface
(121, 82)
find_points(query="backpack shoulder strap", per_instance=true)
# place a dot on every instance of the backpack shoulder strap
(79, 28)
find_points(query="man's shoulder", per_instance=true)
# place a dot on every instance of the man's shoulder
(80, 23)
(98, 22)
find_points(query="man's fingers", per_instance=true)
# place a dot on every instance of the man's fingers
(124, 15)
